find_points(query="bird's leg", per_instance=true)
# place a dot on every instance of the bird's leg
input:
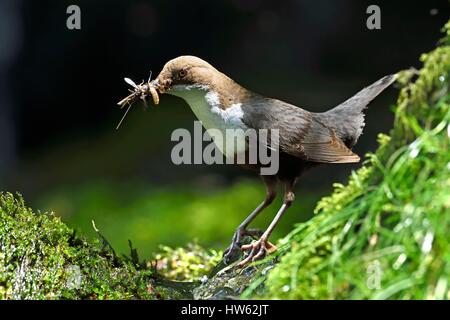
(242, 230)
(262, 246)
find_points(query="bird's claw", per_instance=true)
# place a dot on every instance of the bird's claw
(258, 250)
(230, 253)
(235, 246)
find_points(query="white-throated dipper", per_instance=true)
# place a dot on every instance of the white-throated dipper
(306, 139)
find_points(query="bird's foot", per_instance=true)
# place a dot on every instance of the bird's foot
(231, 253)
(258, 250)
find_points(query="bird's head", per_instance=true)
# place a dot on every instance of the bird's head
(186, 73)
(188, 76)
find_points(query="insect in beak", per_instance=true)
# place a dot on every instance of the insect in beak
(140, 91)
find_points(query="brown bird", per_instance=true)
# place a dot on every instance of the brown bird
(306, 139)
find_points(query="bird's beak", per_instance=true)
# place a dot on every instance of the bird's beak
(162, 83)
(156, 84)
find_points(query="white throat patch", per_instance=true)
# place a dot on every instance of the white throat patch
(205, 104)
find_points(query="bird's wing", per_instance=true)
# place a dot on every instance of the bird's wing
(301, 134)
(321, 144)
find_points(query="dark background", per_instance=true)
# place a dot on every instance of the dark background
(59, 87)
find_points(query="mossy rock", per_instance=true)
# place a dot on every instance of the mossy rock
(42, 258)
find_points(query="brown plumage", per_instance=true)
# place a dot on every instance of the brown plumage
(307, 139)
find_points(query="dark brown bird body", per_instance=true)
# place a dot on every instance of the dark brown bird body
(306, 139)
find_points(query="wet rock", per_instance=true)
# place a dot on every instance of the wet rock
(230, 281)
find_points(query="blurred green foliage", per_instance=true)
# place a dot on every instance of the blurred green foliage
(151, 216)
(385, 234)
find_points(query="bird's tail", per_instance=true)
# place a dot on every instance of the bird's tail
(348, 117)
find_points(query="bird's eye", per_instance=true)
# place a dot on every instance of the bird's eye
(182, 73)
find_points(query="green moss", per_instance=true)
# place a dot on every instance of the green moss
(385, 234)
(41, 258)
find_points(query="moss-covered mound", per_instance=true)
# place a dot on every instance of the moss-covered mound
(41, 258)
(385, 235)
